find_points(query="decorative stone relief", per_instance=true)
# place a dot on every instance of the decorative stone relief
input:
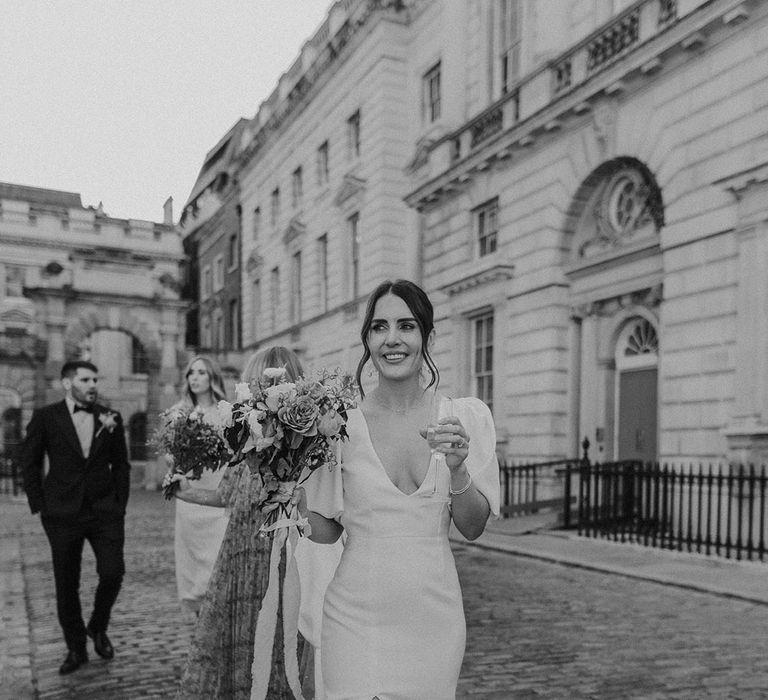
(605, 308)
(627, 207)
(604, 125)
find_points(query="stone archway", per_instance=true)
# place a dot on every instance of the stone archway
(613, 262)
(113, 318)
(160, 377)
(602, 214)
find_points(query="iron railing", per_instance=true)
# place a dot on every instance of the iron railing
(11, 481)
(532, 488)
(718, 510)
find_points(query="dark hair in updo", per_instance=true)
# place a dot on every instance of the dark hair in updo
(420, 306)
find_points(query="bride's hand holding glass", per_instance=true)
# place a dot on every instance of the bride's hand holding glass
(445, 433)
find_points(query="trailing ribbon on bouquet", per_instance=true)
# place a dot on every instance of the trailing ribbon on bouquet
(274, 646)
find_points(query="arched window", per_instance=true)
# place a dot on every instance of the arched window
(638, 345)
(642, 339)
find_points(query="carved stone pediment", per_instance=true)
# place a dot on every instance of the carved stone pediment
(420, 156)
(254, 262)
(352, 187)
(481, 277)
(295, 229)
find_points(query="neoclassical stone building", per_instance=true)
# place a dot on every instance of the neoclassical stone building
(77, 283)
(581, 186)
(595, 230)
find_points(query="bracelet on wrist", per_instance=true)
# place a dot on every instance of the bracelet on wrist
(463, 489)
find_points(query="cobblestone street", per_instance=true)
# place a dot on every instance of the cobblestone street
(540, 630)
(535, 629)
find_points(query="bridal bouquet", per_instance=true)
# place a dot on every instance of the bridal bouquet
(282, 428)
(192, 443)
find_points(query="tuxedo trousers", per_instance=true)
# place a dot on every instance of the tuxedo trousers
(105, 532)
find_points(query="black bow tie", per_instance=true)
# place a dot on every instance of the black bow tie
(87, 409)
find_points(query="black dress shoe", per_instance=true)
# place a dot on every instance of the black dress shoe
(101, 644)
(74, 660)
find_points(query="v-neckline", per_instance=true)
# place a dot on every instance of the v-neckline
(430, 465)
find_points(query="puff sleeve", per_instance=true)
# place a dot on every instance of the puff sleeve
(482, 464)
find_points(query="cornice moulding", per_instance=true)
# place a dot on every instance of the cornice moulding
(481, 277)
(576, 101)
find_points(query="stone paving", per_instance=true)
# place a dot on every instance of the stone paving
(543, 630)
(535, 629)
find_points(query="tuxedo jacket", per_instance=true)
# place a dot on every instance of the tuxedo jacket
(101, 481)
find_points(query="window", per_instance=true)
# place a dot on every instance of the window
(296, 288)
(431, 94)
(274, 296)
(232, 251)
(275, 205)
(256, 311)
(139, 362)
(206, 332)
(206, 288)
(256, 222)
(353, 224)
(297, 187)
(509, 43)
(14, 281)
(234, 324)
(218, 273)
(353, 135)
(218, 330)
(487, 227)
(482, 357)
(322, 264)
(322, 164)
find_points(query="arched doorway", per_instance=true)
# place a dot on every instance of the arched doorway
(137, 437)
(637, 359)
(616, 277)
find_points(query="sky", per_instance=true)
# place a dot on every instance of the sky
(120, 100)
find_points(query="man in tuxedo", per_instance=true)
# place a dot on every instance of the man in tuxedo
(81, 494)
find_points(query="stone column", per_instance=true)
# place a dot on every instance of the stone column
(747, 431)
(574, 384)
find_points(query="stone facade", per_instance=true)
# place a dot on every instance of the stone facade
(322, 187)
(78, 283)
(580, 186)
(627, 178)
(211, 228)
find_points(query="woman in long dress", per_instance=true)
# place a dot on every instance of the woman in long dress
(221, 655)
(393, 621)
(198, 531)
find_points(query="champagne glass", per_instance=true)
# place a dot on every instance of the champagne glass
(440, 406)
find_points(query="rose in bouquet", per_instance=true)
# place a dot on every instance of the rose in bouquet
(192, 443)
(283, 428)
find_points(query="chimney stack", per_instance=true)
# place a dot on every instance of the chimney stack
(168, 211)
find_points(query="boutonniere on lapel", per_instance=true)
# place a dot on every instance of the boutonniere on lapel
(108, 421)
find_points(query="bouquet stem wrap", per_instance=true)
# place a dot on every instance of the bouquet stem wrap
(275, 670)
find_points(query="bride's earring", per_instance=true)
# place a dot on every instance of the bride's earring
(372, 372)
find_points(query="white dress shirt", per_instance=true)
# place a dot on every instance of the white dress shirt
(83, 421)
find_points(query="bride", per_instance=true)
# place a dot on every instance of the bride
(393, 621)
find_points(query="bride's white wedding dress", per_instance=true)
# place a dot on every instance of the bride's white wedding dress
(393, 619)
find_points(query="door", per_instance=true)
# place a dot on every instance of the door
(638, 414)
